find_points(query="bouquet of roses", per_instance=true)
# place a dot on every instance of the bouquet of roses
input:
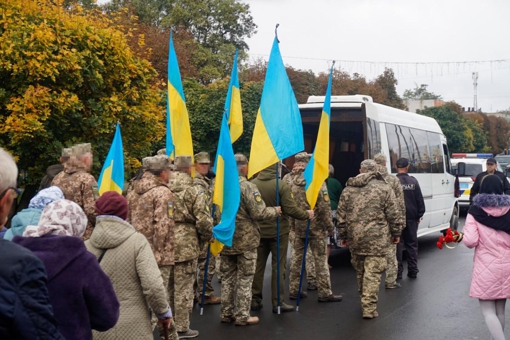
(449, 237)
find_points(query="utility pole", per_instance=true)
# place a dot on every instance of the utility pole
(475, 85)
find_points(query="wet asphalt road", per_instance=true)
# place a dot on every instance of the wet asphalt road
(436, 305)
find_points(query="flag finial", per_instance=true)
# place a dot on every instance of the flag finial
(276, 33)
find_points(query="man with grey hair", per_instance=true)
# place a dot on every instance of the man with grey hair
(369, 219)
(392, 268)
(26, 312)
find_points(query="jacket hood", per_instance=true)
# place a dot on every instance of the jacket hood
(54, 170)
(57, 252)
(23, 219)
(180, 181)
(298, 179)
(491, 201)
(146, 183)
(362, 179)
(382, 170)
(268, 173)
(110, 232)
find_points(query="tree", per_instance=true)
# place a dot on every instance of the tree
(68, 77)
(420, 93)
(388, 83)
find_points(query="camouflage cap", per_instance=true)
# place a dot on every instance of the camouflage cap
(303, 157)
(202, 158)
(182, 162)
(81, 149)
(145, 161)
(161, 152)
(157, 163)
(380, 158)
(368, 165)
(67, 152)
(241, 159)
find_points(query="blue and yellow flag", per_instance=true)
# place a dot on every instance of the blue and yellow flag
(233, 108)
(178, 132)
(278, 131)
(317, 170)
(227, 192)
(112, 175)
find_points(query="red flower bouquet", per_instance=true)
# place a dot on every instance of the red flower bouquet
(449, 237)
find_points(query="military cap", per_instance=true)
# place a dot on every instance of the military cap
(161, 152)
(157, 163)
(67, 152)
(202, 158)
(303, 157)
(81, 149)
(145, 161)
(182, 162)
(380, 158)
(241, 159)
(368, 165)
(402, 162)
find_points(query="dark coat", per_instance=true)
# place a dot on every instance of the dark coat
(81, 294)
(25, 309)
(475, 189)
(415, 205)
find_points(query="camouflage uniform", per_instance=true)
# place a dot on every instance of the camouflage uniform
(368, 216)
(320, 226)
(79, 186)
(151, 209)
(193, 227)
(239, 261)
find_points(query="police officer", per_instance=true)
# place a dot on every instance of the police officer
(415, 208)
(492, 165)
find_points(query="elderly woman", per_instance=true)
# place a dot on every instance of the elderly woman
(127, 258)
(81, 294)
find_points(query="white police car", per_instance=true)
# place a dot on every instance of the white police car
(474, 164)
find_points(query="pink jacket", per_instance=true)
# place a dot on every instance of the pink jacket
(491, 267)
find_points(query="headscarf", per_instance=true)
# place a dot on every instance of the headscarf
(45, 197)
(491, 184)
(62, 217)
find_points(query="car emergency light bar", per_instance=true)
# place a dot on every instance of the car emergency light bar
(471, 155)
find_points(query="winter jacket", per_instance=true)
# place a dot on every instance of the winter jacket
(491, 263)
(266, 183)
(81, 294)
(134, 272)
(25, 309)
(21, 220)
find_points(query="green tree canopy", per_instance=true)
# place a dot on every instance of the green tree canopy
(420, 93)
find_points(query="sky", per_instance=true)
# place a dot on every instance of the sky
(452, 38)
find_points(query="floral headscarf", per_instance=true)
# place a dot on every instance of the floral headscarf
(62, 217)
(45, 197)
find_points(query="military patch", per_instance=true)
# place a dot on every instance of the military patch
(207, 208)
(95, 192)
(257, 196)
(326, 195)
(170, 210)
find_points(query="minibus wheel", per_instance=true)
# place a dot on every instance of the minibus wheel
(454, 220)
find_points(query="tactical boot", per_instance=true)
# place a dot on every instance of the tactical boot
(212, 300)
(331, 298)
(283, 308)
(228, 319)
(188, 334)
(255, 305)
(311, 286)
(294, 296)
(394, 286)
(252, 320)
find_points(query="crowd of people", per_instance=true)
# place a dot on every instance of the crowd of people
(77, 265)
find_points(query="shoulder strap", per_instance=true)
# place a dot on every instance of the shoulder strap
(101, 256)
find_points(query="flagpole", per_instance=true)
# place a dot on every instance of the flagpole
(278, 241)
(303, 266)
(206, 270)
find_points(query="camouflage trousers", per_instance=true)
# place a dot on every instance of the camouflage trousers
(317, 247)
(166, 274)
(199, 283)
(237, 278)
(368, 272)
(181, 293)
(218, 267)
(392, 266)
(310, 261)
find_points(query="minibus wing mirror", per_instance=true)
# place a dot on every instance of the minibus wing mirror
(461, 169)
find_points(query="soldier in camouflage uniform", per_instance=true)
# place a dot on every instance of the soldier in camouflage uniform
(151, 210)
(239, 261)
(392, 267)
(78, 185)
(320, 227)
(202, 166)
(369, 219)
(193, 226)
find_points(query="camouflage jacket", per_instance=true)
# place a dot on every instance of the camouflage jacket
(80, 187)
(368, 214)
(322, 223)
(192, 215)
(151, 209)
(251, 209)
(395, 184)
(206, 185)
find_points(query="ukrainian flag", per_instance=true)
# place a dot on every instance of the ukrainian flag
(178, 132)
(278, 131)
(227, 192)
(233, 108)
(112, 175)
(317, 170)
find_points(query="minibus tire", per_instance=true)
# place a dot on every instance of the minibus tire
(454, 220)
